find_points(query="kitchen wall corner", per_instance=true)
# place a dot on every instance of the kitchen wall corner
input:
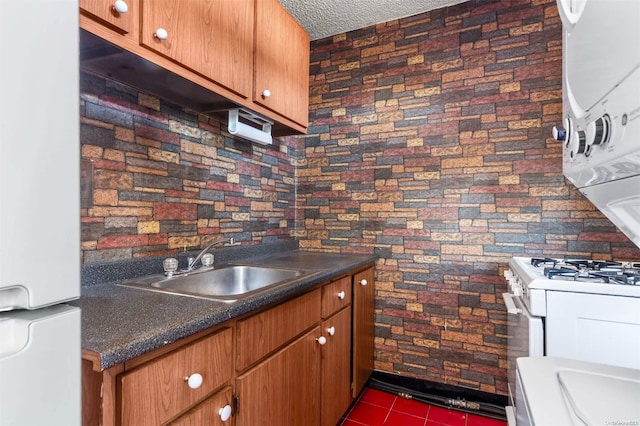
(430, 144)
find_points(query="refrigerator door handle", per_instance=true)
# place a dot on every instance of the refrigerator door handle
(14, 335)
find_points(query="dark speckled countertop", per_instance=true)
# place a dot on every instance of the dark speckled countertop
(121, 323)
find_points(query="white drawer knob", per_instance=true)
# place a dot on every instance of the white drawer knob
(194, 381)
(322, 340)
(341, 295)
(331, 330)
(363, 282)
(161, 34)
(120, 6)
(225, 413)
(266, 93)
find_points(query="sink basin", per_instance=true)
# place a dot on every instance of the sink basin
(227, 283)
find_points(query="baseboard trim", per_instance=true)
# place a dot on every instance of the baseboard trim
(440, 394)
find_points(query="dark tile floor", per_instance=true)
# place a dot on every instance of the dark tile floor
(378, 408)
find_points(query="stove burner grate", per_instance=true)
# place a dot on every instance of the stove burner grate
(597, 271)
(594, 265)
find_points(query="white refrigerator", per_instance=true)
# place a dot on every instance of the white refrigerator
(40, 349)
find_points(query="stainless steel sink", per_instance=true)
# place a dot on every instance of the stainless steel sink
(227, 283)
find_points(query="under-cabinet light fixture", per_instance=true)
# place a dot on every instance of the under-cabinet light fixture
(236, 127)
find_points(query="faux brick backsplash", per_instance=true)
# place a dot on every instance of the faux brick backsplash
(165, 179)
(430, 143)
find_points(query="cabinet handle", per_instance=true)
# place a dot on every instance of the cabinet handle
(266, 93)
(341, 295)
(363, 282)
(161, 34)
(120, 6)
(194, 381)
(225, 413)
(322, 340)
(331, 330)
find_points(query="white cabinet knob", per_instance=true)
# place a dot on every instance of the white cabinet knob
(161, 34)
(225, 413)
(120, 6)
(322, 340)
(331, 330)
(194, 381)
(363, 282)
(341, 295)
(266, 93)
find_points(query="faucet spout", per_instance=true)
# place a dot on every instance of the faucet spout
(207, 248)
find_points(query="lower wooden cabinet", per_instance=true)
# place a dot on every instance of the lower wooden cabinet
(336, 367)
(284, 389)
(363, 328)
(161, 389)
(298, 363)
(215, 411)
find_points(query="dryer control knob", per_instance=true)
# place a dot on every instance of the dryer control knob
(559, 133)
(579, 145)
(601, 130)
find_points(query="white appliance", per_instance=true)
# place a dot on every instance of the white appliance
(40, 349)
(559, 391)
(578, 309)
(601, 106)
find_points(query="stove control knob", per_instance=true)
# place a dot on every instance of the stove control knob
(559, 133)
(579, 145)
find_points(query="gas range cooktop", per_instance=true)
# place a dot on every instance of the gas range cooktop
(574, 275)
(625, 273)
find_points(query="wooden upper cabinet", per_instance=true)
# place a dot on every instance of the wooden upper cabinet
(281, 62)
(107, 12)
(213, 38)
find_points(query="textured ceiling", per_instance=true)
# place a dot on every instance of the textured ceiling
(324, 18)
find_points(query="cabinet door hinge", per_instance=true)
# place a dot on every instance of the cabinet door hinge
(235, 403)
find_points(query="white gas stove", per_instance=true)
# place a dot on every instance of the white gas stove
(585, 310)
(530, 278)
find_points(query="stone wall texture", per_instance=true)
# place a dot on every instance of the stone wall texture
(430, 144)
(163, 180)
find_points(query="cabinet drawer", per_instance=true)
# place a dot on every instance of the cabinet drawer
(159, 391)
(208, 413)
(104, 10)
(263, 333)
(335, 296)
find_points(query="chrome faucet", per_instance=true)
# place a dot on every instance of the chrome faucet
(193, 262)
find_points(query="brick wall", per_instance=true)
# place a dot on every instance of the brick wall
(161, 179)
(430, 145)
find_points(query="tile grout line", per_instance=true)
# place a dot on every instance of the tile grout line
(390, 410)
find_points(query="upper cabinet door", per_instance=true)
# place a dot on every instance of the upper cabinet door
(117, 13)
(281, 62)
(211, 37)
